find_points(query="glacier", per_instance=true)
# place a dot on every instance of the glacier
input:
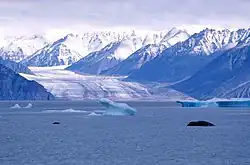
(117, 109)
(64, 84)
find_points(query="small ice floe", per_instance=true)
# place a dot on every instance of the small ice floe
(216, 103)
(117, 109)
(95, 114)
(16, 106)
(28, 106)
(65, 111)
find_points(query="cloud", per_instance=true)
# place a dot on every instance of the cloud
(151, 14)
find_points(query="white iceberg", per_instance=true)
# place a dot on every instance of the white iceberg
(29, 106)
(117, 109)
(16, 106)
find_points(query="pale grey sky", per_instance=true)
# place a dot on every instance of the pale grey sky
(38, 15)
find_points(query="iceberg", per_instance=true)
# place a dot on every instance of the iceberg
(201, 104)
(16, 106)
(216, 103)
(29, 106)
(117, 109)
(234, 103)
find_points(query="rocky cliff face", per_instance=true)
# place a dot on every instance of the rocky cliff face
(15, 87)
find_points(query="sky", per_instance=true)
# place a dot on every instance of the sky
(25, 16)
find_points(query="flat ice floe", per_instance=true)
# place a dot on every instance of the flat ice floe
(65, 111)
(237, 102)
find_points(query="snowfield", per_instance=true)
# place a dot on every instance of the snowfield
(66, 84)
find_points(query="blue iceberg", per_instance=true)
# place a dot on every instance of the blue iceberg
(234, 103)
(202, 104)
(117, 109)
(216, 103)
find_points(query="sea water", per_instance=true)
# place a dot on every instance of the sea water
(156, 135)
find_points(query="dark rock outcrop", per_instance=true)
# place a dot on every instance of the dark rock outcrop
(15, 87)
(200, 124)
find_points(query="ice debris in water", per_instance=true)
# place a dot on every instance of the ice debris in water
(16, 106)
(117, 109)
(29, 106)
(95, 114)
(216, 103)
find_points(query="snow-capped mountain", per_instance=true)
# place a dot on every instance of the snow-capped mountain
(16, 67)
(115, 52)
(73, 47)
(18, 48)
(136, 60)
(185, 58)
(173, 36)
(225, 76)
(104, 59)
(57, 53)
(15, 87)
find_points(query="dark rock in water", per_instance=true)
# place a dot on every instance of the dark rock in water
(56, 122)
(200, 124)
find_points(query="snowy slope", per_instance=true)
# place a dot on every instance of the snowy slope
(15, 87)
(69, 85)
(116, 52)
(107, 57)
(185, 58)
(18, 48)
(136, 60)
(225, 76)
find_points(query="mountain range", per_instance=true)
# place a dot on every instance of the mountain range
(130, 48)
(207, 64)
(183, 59)
(225, 76)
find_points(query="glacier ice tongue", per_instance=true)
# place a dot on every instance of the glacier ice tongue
(117, 109)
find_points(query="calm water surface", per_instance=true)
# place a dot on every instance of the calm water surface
(157, 135)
